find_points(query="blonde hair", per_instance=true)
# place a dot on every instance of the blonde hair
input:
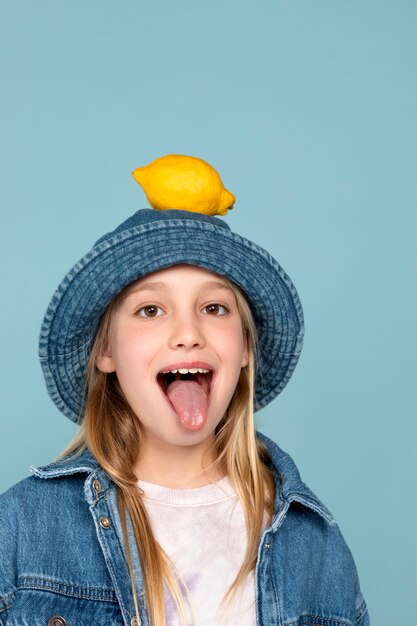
(112, 431)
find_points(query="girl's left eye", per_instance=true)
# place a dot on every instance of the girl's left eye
(215, 309)
(149, 311)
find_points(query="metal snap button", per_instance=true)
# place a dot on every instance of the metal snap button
(134, 621)
(97, 486)
(104, 522)
(57, 620)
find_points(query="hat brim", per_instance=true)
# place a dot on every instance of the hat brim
(73, 315)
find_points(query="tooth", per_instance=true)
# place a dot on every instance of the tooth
(192, 370)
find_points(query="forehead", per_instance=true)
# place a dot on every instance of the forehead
(180, 274)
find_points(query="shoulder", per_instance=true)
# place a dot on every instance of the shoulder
(50, 544)
(33, 494)
(52, 498)
(60, 485)
(290, 487)
(28, 508)
(297, 508)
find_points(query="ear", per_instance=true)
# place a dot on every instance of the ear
(105, 363)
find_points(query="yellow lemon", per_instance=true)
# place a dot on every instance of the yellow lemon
(176, 181)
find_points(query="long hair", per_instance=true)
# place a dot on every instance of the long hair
(112, 431)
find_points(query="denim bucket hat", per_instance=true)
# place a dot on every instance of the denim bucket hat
(148, 241)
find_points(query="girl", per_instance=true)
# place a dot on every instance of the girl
(168, 508)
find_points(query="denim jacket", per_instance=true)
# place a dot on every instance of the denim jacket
(62, 561)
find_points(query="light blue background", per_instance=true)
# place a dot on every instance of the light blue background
(308, 110)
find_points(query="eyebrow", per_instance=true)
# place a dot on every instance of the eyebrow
(159, 286)
(213, 284)
(149, 287)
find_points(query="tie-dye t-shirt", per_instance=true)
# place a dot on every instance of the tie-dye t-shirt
(203, 532)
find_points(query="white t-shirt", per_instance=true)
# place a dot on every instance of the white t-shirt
(203, 532)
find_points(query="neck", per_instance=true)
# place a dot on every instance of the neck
(178, 467)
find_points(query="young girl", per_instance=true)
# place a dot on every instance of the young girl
(169, 508)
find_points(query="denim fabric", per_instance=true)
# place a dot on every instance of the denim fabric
(62, 554)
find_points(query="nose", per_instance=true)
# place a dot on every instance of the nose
(187, 332)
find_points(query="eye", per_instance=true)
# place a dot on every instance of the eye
(149, 311)
(216, 309)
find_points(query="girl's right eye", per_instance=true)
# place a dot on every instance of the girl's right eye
(149, 311)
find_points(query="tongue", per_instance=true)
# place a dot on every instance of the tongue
(190, 403)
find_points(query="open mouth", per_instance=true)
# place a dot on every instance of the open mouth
(187, 390)
(202, 377)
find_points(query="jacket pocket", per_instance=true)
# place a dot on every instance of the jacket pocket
(52, 603)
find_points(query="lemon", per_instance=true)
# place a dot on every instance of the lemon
(177, 181)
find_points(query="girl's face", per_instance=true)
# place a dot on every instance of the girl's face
(183, 317)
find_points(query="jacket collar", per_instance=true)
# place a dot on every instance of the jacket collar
(84, 463)
(290, 487)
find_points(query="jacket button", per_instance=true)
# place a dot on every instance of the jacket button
(104, 522)
(97, 486)
(57, 620)
(134, 621)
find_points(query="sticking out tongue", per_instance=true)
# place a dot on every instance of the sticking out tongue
(190, 403)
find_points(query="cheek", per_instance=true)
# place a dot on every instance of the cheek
(231, 341)
(128, 349)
